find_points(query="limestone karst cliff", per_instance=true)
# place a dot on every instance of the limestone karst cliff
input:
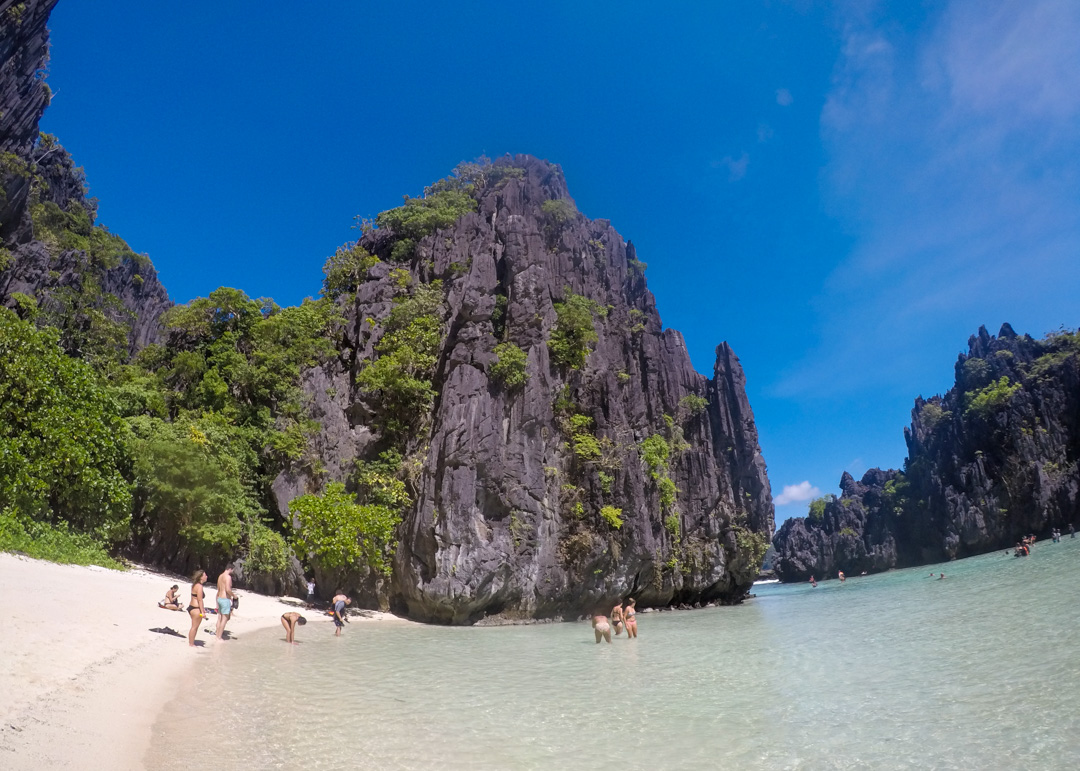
(86, 280)
(993, 459)
(511, 482)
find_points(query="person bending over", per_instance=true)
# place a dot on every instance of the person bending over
(339, 602)
(290, 621)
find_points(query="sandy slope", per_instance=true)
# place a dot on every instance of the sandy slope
(81, 676)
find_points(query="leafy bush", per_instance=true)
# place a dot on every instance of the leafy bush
(509, 367)
(668, 491)
(691, 405)
(56, 543)
(267, 552)
(612, 516)
(655, 452)
(583, 442)
(672, 525)
(346, 270)
(420, 217)
(848, 532)
(990, 399)
(574, 331)
(558, 211)
(339, 533)
(753, 545)
(63, 452)
(931, 416)
(408, 353)
(817, 507)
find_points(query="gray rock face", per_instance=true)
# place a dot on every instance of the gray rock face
(24, 53)
(130, 292)
(991, 461)
(495, 531)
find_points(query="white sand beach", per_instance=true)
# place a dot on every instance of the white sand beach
(82, 676)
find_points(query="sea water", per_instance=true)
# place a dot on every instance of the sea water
(980, 670)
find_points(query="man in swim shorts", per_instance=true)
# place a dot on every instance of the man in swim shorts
(224, 601)
(339, 602)
(602, 628)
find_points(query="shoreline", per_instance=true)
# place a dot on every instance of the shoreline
(83, 677)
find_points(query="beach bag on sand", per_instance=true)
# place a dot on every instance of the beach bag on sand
(235, 603)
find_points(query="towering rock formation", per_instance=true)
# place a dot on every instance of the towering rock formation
(50, 250)
(510, 482)
(991, 461)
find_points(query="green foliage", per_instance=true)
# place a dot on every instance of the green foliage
(623, 376)
(606, 481)
(583, 442)
(655, 452)
(558, 211)
(574, 332)
(848, 532)
(56, 543)
(753, 545)
(379, 482)
(692, 405)
(74, 228)
(637, 321)
(340, 533)
(15, 14)
(498, 316)
(991, 398)
(673, 526)
(612, 516)
(63, 455)
(346, 270)
(419, 217)
(509, 367)
(6, 259)
(408, 352)
(519, 529)
(194, 480)
(817, 507)
(267, 551)
(931, 416)
(668, 491)
(976, 374)
(637, 266)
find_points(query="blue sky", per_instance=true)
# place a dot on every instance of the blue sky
(842, 191)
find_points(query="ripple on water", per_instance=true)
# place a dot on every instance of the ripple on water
(890, 671)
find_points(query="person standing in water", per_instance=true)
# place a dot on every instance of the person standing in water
(630, 616)
(842, 579)
(224, 601)
(601, 628)
(813, 583)
(195, 607)
(290, 621)
(339, 602)
(617, 617)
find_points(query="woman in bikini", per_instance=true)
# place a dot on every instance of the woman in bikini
(290, 621)
(195, 608)
(617, 618)
(171, 601)
(630, 616)
(602, 628)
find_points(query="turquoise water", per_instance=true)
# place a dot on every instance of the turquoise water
(981, 670)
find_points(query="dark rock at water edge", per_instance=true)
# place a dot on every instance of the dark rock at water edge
(992, 460)
(495, 529)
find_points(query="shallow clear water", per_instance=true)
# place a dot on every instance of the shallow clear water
(981, 670)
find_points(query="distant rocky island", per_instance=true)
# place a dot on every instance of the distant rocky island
(481, 418)
(991, 461)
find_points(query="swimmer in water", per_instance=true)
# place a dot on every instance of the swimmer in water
(842, 579)
(601, 628)
(617, 617)
(813, 582)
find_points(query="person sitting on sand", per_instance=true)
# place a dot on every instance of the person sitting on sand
(601, 628)
(195, 607)
(617, 617)
(630, 616)
(171, 601)
(290, 621)
(339, 602)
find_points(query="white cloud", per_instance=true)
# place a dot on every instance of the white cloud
(804, 491)
(764, 132)
(954, 165)
(783, 97)
(736, 166)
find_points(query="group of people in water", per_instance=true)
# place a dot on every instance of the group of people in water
(227, 601)
(622, 618)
